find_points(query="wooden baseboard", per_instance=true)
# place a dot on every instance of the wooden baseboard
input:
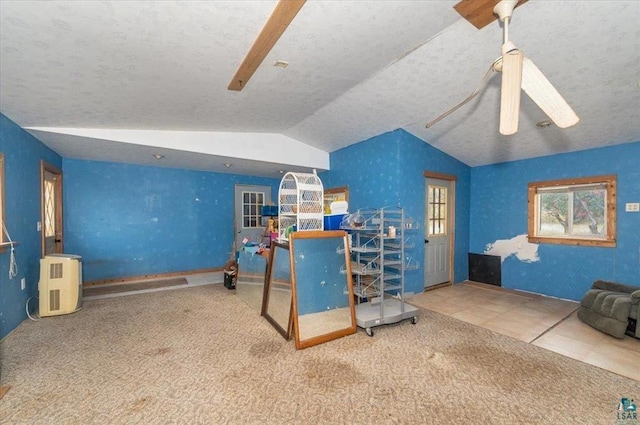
(3, 390)
(491, 287)
(130, 279)
(439, 285)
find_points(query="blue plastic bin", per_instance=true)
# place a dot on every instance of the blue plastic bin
(332, 221)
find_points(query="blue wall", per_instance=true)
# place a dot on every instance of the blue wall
(417, 157)
(131, 220)
(499, 211)
(387, 170)
(22, 155)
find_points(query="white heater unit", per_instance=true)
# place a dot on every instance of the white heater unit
(60, 284)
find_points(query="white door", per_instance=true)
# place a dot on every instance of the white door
(249, 224)
(438, 231)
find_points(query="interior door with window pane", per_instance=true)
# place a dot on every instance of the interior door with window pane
(51, 224)
(248, 217)
(437, 233)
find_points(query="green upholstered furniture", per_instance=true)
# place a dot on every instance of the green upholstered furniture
(611, 308)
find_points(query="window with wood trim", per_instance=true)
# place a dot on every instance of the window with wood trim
(437, 205)
(252, 203)
(580, 211)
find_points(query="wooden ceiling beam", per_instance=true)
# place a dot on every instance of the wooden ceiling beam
(479, 12)
(279, 20)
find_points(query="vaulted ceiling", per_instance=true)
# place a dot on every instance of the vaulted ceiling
(124, 80)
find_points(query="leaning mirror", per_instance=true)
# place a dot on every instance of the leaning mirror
(323, 304)
(277, 306)
(252, 267)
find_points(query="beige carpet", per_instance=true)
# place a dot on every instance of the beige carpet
(201, 356)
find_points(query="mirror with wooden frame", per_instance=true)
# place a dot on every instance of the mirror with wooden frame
(251, 278)
(323, 303)
(277, 300)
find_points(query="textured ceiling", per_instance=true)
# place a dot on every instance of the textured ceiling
(357, 69)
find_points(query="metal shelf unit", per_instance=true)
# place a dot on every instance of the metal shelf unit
(379, 240)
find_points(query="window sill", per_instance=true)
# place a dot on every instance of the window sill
(573, 241)
(5, 245)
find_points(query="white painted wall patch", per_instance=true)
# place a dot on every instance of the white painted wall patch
(518, 246)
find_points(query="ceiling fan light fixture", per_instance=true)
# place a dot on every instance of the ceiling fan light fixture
(281, 64)
(544, 123)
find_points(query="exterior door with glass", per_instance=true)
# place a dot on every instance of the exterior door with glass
(248, 213)
(438, 231)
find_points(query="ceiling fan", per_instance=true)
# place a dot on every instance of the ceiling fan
(519, 72)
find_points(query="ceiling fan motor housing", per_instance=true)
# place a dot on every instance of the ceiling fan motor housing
(504, 9)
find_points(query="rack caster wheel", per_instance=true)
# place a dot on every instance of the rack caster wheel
(414, 320)
(369, 331)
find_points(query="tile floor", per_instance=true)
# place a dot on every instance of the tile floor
(547, 322)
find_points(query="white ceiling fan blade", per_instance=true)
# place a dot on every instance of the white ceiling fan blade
(540, 90)
(510, 92)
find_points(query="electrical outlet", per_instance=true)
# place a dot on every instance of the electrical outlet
(632, 207)
(23, 283)
(39, 226)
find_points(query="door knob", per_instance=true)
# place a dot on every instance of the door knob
(426, 241)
